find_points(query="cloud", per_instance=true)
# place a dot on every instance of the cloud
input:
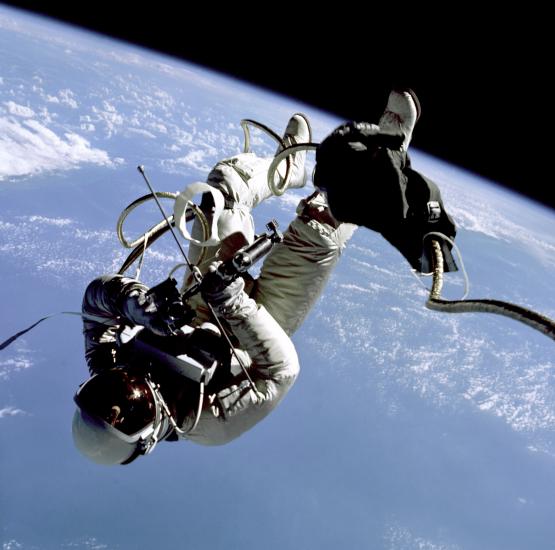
(89, 542)
(198, 160)
(372, 288)
(59, 222)
(64, 97)
(289, 201)
(12, 365)
(68, 252)
(525, 400)
(58, 248)
(11, 411)
(28, 147)
(67, 97)
(158, 127)
(19, 110)
(108, 116)
(141, 132)
(399, 537)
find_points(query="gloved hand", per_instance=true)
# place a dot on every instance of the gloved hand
(139, 310)
(223, 294)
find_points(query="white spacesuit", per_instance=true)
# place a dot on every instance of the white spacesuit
(133, 401)
(292, 278)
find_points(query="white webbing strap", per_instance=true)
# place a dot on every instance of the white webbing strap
(184, 201)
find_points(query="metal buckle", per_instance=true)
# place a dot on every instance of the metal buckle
(434, 211)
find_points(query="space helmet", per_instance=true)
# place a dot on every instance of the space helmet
(119, 416)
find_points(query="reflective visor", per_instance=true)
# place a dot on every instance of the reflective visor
(120, 399)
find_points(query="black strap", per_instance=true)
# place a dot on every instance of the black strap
(13, 338)
(136, 454)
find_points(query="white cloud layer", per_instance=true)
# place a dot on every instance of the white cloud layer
(196, 160)
(19, 110)
(14, 364)
(11, 545)
(27, 147)
(10, 411)
(90, 542)
(64, 250)
(401, 538)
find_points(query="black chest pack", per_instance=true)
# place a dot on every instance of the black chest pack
(192, 353)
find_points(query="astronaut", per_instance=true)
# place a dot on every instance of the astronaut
(134, 400)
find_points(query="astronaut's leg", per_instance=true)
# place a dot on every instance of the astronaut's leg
(243, 181)
(295, 273)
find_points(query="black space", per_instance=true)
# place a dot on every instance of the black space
(484, 81)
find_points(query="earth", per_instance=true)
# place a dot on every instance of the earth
(407, 428)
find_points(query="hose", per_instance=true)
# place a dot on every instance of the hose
(140, 244)
(527, 316)
(279, 187)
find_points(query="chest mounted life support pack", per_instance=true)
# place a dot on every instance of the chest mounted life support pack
(192, 353)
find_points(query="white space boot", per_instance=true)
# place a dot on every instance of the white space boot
(297, 131)
(400, 115)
